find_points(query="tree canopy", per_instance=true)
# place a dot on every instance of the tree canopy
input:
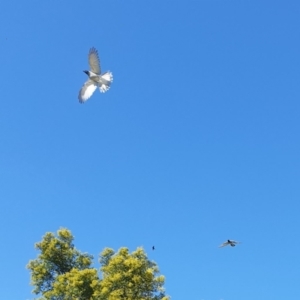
(61, 272)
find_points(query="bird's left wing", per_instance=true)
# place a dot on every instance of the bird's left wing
(224, 244)
(94, 61)
(87, 91)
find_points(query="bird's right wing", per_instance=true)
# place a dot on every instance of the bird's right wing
(223, 245)
(87, 91)
(235, 242)
(94, 61)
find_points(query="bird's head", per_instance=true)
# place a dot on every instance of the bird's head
(87, 73)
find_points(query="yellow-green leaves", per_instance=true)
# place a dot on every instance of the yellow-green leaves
(76, 284)
(129, 276)
(61, 272)
(57, 256)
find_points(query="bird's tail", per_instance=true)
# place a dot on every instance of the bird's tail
(105, 82)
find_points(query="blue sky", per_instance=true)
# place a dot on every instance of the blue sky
(197, 140)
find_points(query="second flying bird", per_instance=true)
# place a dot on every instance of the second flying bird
(96, 79)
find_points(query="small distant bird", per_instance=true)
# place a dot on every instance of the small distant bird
(153, 248)
(232, 243)
(96, 79)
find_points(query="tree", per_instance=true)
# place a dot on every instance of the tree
(57, 265)
(129, 276)
(61, 272)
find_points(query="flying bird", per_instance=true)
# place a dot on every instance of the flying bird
(96, 79)
(153, 248)
(232, 243)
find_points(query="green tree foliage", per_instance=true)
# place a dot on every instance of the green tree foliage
(58, 262)
(129, 276)
(61, 272)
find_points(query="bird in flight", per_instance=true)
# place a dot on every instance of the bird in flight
(153, 248)
(96, 79)
(232, 243)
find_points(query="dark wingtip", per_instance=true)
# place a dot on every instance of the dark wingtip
(93, 49)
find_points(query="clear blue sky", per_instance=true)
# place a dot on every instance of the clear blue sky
(196, 142)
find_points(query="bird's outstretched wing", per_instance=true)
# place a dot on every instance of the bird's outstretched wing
(94, 61)
(224, 244)
(234, 242)
(87, 91)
